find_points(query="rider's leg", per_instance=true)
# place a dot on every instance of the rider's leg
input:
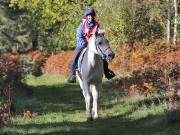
(72, 78)
(108, 73)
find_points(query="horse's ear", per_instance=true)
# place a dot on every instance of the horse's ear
(100, 32)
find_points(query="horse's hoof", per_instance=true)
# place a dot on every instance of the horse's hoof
(89, 119)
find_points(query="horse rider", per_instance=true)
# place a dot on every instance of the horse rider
(84, 32)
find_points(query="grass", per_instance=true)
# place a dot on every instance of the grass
(61, 111)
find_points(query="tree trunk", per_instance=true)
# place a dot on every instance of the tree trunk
(168, 24)
(34, 44)
(34, 36)
(175, 22)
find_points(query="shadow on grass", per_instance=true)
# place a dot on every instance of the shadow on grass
(150, 125)
(54, 98)
(151, 101)
(57, 98)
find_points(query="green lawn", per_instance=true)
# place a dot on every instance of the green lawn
(61, 111)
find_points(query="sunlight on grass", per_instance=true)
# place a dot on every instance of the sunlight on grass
(46, 80)
(144, 111)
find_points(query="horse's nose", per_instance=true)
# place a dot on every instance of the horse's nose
(112, 55)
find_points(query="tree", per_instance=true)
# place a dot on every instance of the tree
(168, 24)
(10, 30)
(52, 23)
(175, 21)
(132, 20)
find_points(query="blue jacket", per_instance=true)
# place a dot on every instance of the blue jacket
(80, 39)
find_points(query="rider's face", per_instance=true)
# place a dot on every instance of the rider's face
(90, 18)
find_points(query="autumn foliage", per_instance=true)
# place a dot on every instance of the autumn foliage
(58, 63)
(153, 68)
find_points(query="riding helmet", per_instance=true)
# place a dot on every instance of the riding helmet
(90, 11)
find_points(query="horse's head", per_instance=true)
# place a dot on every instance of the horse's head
(102, 46)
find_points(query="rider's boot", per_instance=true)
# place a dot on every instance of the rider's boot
(109, 74)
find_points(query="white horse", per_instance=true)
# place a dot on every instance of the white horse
(90, 71)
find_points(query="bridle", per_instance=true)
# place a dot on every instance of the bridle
(101, 52)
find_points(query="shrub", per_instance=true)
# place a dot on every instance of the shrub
(12, 73)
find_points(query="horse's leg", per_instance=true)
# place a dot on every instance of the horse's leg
(87, 97)
(95, 100)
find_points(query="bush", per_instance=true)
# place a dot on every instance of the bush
(12, 73)
(153, 69)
